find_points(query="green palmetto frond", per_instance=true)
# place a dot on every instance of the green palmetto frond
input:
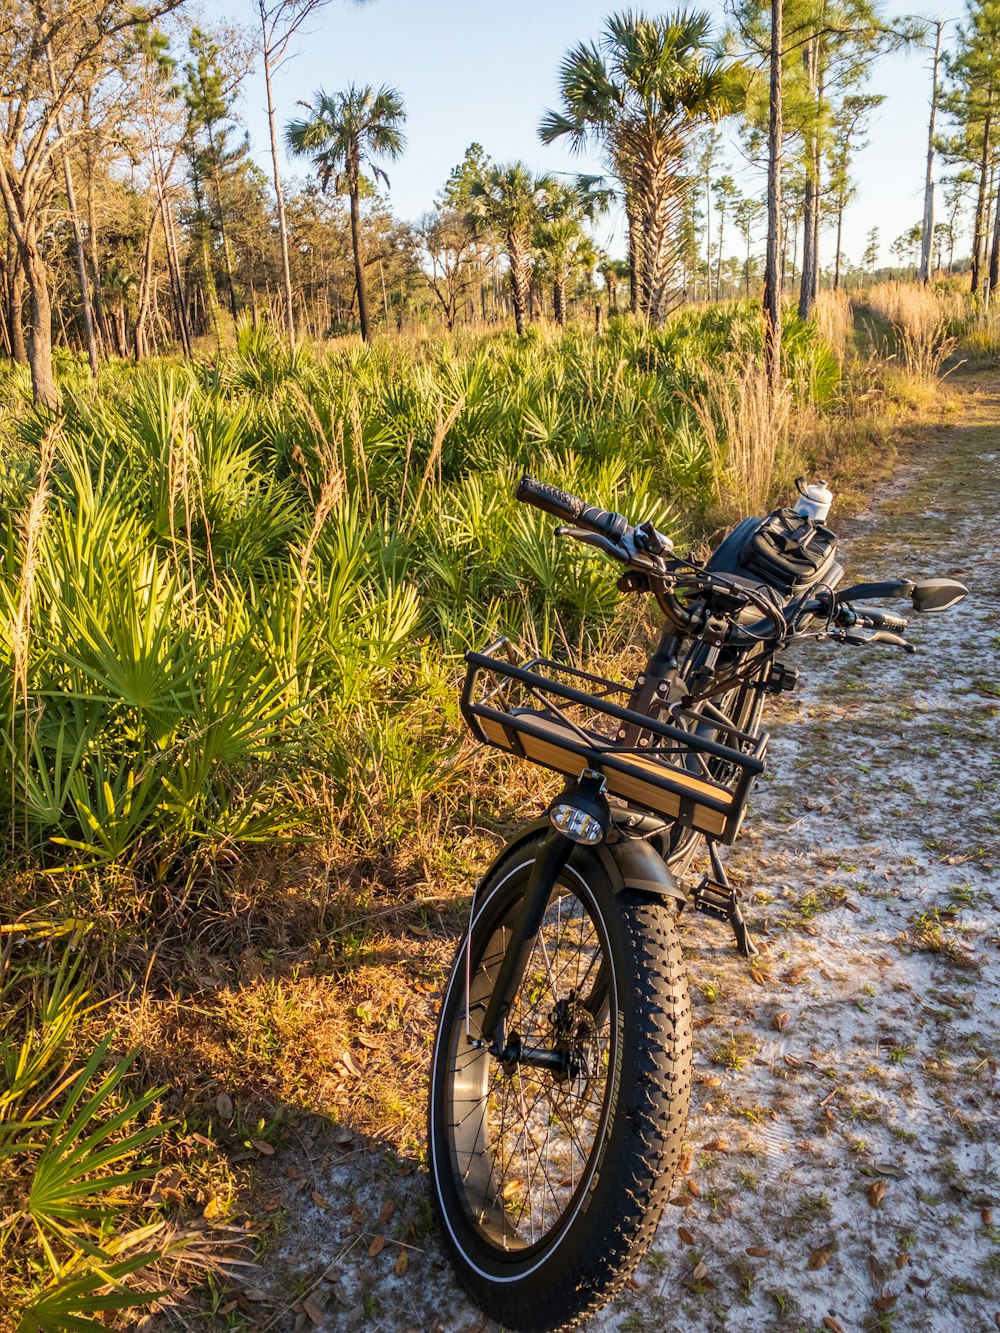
(71, 1179)
(63, 1306)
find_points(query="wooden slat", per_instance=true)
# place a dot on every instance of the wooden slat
(550, 751)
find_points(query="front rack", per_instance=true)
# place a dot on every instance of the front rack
(567, 720)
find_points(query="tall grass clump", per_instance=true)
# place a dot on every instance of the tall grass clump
(833, 319)
(745, 425)
(921, 318)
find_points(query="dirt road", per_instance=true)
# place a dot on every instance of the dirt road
(844, 1172)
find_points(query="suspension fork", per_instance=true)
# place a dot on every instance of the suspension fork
(579, 815)
(550, 860)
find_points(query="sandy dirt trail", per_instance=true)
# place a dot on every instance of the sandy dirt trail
(843, 1172)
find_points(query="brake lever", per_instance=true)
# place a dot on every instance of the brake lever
(880, 636)
(624, 552)
(595, 539)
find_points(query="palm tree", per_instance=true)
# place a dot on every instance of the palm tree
(562, 242)
(639, 94)
(343, 132)
(510, 201)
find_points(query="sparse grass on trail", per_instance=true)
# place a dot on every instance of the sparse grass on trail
(242, 816)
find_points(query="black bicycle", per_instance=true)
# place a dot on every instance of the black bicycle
(562, 1066)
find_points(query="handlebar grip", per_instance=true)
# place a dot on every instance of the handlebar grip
(875, 618)
(896, 624)
(570, 508)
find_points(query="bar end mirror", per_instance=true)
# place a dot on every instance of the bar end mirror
(937, 594)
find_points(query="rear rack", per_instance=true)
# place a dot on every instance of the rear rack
(567, 720)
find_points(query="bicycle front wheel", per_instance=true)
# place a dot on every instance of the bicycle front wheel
(549, 1178)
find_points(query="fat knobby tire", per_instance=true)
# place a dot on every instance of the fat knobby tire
(602, 1245)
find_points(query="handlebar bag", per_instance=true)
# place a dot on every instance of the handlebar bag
(790, 552)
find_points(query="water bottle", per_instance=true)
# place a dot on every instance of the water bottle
(814, 500)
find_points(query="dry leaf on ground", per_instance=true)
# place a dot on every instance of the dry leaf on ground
(820, 1257)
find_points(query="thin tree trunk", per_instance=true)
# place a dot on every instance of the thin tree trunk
(718, 266)
(147, 282)
(174, 269)
(635, 257)
(224, 235)
(385, 294)
(95, 264)
(286, 267)
(773, 279)
(995, 248)
(708, 236)
(984, 169)
(92, 255)
(359, 268)
(15, 302)
(810, 210)
(81, 265)
(836, 265)
(927, 237)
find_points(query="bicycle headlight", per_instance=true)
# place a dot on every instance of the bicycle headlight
(577, 824)
(582, 815)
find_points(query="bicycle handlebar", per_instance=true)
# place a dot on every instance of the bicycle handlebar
(571, 509)
(638, 549)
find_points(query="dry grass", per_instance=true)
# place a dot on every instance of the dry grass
(834, 321)
(920, 318)
(746, 429)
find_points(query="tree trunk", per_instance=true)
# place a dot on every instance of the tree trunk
(984, 171)
(708, 236)
(927, 237)
(995, 248)
(718, 266)
(774, 274)
(174, 268)
(43, 382)
(836, 264)
(286, 266)
(147, 284)
(517, 259)
(635, 264)
(559, 300)
(359, 268)
(15, 303)
(810, 209)
(81, 263)
(223, 234)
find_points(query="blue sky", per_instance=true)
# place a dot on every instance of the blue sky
(474, 70)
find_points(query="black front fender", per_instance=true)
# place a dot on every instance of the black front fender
(629, 863)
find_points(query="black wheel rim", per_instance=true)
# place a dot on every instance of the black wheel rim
(523, 1141)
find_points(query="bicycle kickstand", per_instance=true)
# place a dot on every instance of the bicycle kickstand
(716, 897)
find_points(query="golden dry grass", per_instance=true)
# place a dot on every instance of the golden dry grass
(834, 321)
(746, 428)
(921, 317)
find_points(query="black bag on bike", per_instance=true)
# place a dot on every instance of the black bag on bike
(790, 552)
